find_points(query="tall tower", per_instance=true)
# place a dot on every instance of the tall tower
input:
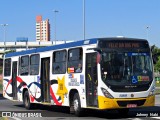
(42, 29)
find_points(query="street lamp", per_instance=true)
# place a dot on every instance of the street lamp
(55, 11)
(147, 30)
(4, 28)
(84, 19)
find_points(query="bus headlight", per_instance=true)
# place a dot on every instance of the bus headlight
(152, 92)
(106, 93)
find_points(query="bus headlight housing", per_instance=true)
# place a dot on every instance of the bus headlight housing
(152, 92)
(106, 93)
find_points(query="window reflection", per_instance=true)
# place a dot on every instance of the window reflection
(120, 67)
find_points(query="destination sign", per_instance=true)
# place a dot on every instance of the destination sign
(123, 44)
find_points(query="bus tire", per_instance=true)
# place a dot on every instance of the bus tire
(77, 105)
(26, 101)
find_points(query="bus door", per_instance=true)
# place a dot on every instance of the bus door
(91, 80)
(45, 79)
(14, 80)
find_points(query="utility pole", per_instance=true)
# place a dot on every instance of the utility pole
(84, 19)
(4, 29)
(147, 30)
(55, 11)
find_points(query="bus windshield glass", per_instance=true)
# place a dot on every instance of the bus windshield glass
(126, 68)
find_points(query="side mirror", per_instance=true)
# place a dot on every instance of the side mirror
(152, 47)
(98, 58)
(155, 58)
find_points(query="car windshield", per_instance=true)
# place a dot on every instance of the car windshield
(126, 68)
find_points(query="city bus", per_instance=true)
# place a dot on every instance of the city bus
(99, 73)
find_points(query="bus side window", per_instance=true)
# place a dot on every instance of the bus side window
(59, 62)
(24, 67)
(7, 67)
(75, 60)
(34, 64)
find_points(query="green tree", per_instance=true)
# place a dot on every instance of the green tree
(156, 50)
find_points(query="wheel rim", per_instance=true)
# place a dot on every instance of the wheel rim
(76, 104)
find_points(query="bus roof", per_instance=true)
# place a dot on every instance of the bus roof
(67, 45)
(54, 47)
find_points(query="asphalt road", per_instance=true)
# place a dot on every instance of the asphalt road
(57, 113)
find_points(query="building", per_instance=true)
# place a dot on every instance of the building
(42, 29)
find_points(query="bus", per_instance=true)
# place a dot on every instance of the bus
(98, 73)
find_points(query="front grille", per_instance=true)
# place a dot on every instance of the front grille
(139, 89)
(130, 88)
(125, 103)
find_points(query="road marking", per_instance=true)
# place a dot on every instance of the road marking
(156, 118)
(135, 119)
(15, 118)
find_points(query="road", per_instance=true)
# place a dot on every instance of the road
(57, 113)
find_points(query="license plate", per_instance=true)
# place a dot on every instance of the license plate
(131, 105)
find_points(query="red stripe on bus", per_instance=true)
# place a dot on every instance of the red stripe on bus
(54, 97)
(8, 84)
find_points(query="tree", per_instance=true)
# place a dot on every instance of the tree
(156, 50)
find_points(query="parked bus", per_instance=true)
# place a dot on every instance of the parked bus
(99, 73)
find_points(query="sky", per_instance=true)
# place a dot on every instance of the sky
(103, 18)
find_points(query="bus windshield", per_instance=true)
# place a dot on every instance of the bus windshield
(126, 64)
(126, 68)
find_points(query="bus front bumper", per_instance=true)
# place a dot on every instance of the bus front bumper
(108, 103)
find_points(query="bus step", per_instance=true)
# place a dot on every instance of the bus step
(46, 103)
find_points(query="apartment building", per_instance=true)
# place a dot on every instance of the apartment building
(42, 29)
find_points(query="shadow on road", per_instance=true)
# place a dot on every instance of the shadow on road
(1, 96)
(56, 111)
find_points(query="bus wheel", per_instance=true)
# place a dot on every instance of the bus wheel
(77, 105)
(26, 101)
